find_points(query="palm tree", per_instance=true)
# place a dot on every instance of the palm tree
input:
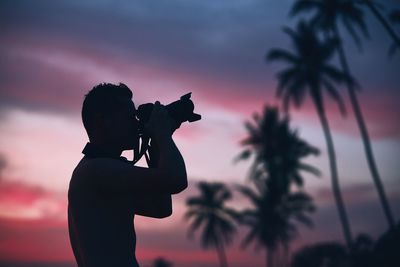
(309, 72)
(328, 13)
(209, 212)
(277, 153)
(271, 219)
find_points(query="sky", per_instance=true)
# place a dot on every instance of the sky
(53, 52)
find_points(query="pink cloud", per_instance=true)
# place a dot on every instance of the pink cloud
(45, 239)
(56, 73)
(21, 201)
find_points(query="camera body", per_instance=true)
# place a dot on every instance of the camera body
(179, 112)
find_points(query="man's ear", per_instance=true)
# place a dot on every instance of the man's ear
(101, 121)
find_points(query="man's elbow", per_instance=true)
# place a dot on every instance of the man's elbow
(179, 186)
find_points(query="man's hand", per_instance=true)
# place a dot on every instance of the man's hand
(159, 125)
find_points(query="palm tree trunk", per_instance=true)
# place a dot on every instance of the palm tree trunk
(384, 22)
(286, 254)
(334, 175)
(365, 136)
(277, 256)
(221, 255)
(270, 257)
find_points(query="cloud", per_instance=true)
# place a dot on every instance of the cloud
(53, 53)
(21, 201)
(33, 226)
(26, 240)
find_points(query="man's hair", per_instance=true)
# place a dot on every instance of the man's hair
(103, 99)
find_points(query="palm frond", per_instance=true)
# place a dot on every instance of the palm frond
(208, 212)
(335, 95)
(334, 73)
(356, 15)
(292, 34)
(250, 237)
(310, 169)
(246, 191)
(195, 201)
(244, 155)
(304, 6)
(349, 27)
(282, 55)
(285, 77)
(195, 225)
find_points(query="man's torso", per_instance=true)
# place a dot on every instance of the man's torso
(100, 222)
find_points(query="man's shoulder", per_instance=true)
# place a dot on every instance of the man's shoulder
(94, 169)
(87, 176)
(89, 165)
(86, 169)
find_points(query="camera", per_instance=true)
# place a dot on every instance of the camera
(179, 111)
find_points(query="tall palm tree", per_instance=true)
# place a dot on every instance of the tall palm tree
(271, 219)
(277, 153)
(210, 212)
(328, 14)
(309, 72)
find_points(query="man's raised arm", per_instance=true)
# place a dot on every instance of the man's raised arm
(169, 176)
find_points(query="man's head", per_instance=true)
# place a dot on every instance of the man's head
(108, 115)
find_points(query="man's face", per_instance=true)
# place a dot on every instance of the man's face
(122, 126)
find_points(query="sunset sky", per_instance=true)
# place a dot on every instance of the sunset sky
(53, 52)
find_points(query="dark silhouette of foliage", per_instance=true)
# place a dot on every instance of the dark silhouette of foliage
(365, 252)
(386, 250)
(272, 219)
(328, 12)
(277, 153)
(209, 212)
(322, 255)
(362, 254)
(327, 15)
(309, 72)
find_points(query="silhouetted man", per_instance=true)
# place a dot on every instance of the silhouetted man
(106, 190)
